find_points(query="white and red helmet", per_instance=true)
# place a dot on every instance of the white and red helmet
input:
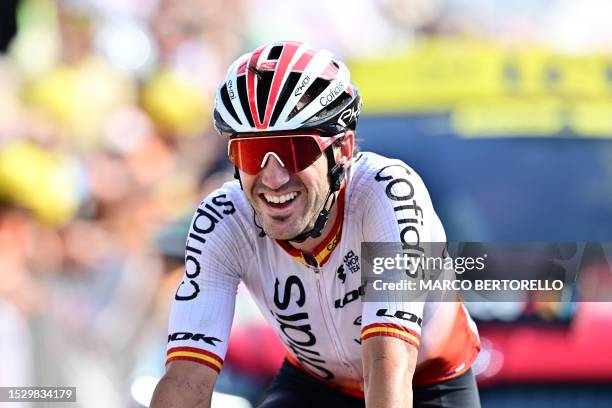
(286, 86)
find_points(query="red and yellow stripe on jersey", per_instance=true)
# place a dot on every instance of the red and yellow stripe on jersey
(196, 355)
(391, 330)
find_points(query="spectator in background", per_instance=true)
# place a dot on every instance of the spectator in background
(8, 23)
(92, 163)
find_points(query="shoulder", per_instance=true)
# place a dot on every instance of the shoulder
(374, 178)
(391, 200)
(221, 220)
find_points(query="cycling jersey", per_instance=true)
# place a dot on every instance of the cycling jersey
(314, 301)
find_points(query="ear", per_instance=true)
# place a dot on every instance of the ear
(344, 155)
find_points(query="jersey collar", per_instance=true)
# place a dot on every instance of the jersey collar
(322, 252)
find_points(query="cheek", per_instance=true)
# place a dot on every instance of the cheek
(315, 177)
(248, 182)
(317, 189)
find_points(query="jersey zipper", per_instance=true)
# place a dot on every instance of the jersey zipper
(327, 316)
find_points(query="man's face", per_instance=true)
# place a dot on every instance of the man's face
(286, 203)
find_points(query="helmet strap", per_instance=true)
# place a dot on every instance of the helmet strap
(237, 176)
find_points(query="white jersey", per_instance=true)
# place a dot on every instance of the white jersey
(314, 302)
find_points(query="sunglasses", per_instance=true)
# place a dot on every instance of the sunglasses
(294, 152)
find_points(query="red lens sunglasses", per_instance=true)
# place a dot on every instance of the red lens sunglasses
(294, 152)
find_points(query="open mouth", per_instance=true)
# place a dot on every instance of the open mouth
(279, 201)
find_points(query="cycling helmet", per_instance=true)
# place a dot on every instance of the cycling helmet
(286, 86)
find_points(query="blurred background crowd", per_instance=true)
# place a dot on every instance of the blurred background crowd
(106, 147)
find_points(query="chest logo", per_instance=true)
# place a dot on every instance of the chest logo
(350, 263)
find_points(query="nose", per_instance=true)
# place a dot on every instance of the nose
(274, 175)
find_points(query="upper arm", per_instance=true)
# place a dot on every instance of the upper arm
(203, 306)
(400, 211)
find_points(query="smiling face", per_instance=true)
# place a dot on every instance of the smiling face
(286, 203)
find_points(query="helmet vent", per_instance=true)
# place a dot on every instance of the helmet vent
(264, 82)
(228, 103)
(315, 90)
(244, 102)
(289, 86)
(275, 52)
(333, 107)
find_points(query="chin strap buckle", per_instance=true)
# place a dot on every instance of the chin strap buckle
(320, 223)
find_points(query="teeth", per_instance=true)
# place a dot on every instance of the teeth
(280, 199)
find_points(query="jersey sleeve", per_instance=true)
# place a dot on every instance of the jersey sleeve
(398, 210)
(203, 306)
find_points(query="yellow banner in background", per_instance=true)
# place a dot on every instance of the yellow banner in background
(429, 76)
(592, 118)
(512, 117)
(491, 89)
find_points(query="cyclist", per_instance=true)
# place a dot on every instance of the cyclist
(291, 227)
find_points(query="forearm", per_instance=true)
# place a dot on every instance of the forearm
(388, 367)
(172, 392)
(388, 385)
